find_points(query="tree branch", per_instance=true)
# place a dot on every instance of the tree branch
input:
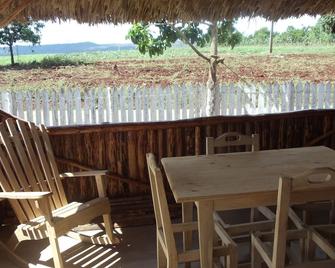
(186, 41)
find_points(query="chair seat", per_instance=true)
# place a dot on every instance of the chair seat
(316, 264)
(66, 217)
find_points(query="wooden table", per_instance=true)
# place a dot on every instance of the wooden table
(239, 180)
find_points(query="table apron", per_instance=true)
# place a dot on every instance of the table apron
(270, 199)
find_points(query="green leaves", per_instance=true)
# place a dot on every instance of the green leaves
(155, 39)
(17, 31)
(328, 23)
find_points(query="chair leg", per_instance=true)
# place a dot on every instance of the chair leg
(57, 257)
(256, 259)
(232, 258)
(108, 226)
(172, 262)
(13, 242)
(161, 258)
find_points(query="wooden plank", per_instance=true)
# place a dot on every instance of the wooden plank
(45, 104)
(184, 102)
(307, 96)
(45, 166)
(177, 103)
(62, 109)
(54, 109)
(123, 105)
(299, 95)
(145, 102)
(77, 101)
(101, 117)
(131, 105)
(262, 168)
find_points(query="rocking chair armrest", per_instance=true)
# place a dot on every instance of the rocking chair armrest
(24, 195)
(89, 173)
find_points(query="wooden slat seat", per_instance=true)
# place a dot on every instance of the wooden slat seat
(71, 212)
(30, 179)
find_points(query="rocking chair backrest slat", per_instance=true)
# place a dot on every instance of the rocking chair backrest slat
(9, 183)
(310, 181)
(27, 139)
(45, 163)
(16, 168)
(158, 194)
(23, 156)
(53, 164)
(19, 206)
(29, 165)
(232, 139)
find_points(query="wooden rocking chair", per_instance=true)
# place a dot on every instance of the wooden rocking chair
(29, 178)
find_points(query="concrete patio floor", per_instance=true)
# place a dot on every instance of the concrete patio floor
(137, 249)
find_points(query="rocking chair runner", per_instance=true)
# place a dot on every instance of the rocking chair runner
(30, 180)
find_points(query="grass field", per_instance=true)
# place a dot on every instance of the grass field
(177, 65)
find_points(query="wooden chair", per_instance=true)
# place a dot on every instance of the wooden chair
(315, 179)
(231, 139)
(167, 253)
(29, 178)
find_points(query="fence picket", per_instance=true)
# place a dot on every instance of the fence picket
(131, 104)
(160, 104)
(176, 109)
(307, 96)
(62, 115)
(183, 102)
(328, 95)
(54, 109)
(145, 101)
(29, 106)
(77, 101)
(314, 96)
(320, 95)
(298, 99)
(19, 101)
(108, 105)
(115, 109)
(101, 109)
(86, 108)
(37, 107)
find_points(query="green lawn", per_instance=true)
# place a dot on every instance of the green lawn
(90, 57)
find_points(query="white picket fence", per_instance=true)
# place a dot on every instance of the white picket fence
(137, 104)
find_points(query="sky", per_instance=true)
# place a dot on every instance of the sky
(72, 32)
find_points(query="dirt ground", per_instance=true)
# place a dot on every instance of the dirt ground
(306, 67)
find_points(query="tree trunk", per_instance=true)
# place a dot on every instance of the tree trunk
(11, 54)
(271, 38)
(212, 105)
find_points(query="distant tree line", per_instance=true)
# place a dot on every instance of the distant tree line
(322, 33)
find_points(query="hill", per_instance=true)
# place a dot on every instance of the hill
(66, 48)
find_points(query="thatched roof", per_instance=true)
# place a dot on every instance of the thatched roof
(118, 11)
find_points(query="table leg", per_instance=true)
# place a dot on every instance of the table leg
(206, 231)
(187, 216)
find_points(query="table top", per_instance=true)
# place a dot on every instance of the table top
(194, 178)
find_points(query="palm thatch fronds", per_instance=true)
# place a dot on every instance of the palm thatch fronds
(120, 11)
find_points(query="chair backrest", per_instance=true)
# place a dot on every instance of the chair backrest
(311, 180)
(162, 215)
(28, 164)
(232, 139)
